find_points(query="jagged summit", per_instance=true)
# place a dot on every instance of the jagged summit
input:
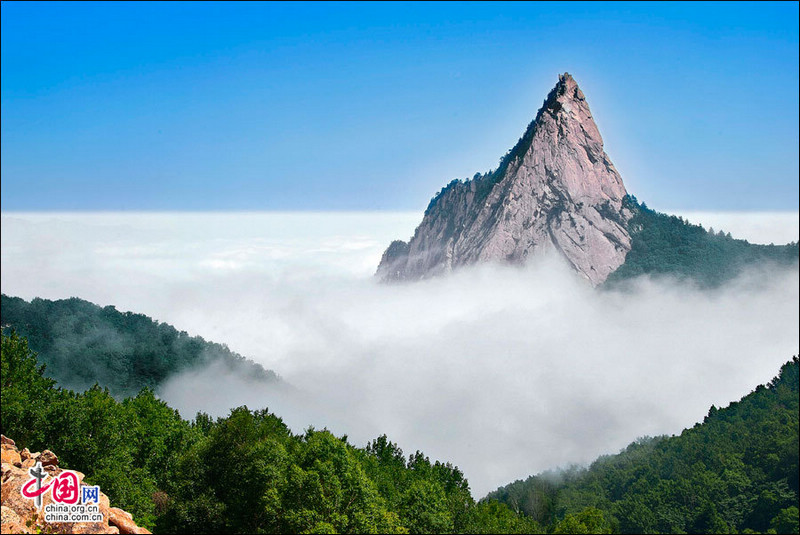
(555, 190)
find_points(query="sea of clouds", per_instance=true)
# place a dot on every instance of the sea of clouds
(503, 371)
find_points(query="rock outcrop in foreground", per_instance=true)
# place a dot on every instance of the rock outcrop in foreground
(19, 514)
(556, 190)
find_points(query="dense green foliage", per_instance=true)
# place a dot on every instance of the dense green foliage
(246, 473)
(83, 344)
(668, 245)
(737, 472)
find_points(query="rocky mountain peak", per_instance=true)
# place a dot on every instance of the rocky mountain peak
(556, 190)
(565, 90)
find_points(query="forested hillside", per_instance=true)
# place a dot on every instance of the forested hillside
(737, 472)
(246, 473)
(83, 344)
(667, 245)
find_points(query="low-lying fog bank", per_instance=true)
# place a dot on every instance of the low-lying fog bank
(502, 371)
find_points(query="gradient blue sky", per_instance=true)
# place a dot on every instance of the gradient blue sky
(253, 106)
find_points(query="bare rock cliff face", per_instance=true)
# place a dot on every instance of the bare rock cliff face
(556, 190)
(19, 514)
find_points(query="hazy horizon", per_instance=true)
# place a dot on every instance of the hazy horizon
(484, 378)
(237, 170)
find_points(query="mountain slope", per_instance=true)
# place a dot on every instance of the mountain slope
(663, 245)
(245, 473)
(737, 470)
(555, 190)
(83, 344)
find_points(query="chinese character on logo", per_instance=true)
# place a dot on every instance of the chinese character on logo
(37, 475)
(65, 488)
(90, 494)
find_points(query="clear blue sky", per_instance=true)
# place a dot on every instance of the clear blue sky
(257, 106)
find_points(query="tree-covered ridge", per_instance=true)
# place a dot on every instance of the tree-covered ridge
(246, 473)
(737, 472)
(83, 344)
(668, 245)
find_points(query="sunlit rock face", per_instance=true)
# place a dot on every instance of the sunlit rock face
(556, 190)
